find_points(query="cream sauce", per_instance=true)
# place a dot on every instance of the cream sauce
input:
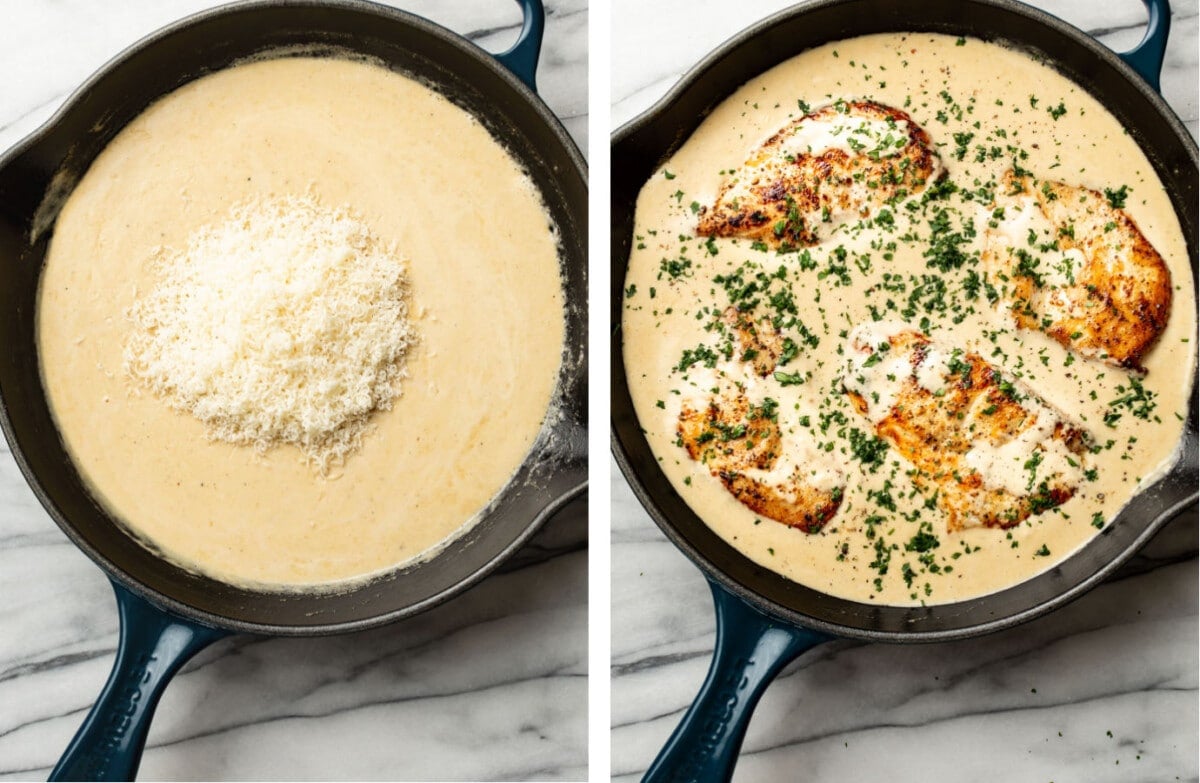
(848, 134)
(485, 290)
(973, 97)
(881, 382)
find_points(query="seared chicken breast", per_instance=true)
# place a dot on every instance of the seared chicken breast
(742, 445)
(760, 342)
(992, 451)
(1078, 269)
(838, 163)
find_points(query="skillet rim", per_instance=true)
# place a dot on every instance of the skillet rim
(570, 389)
(989, 622)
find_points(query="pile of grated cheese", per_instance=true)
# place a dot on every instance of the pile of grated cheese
(286, 323)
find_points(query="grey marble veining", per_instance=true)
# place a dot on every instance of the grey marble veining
(492, 685)
(1103, 690)
(1032, 703)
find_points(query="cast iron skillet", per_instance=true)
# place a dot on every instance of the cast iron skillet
(764, 620)
(167, 614)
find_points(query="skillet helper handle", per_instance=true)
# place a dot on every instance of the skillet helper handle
(1147, 57)
(751, 649)
(522, 58)
(153, 645)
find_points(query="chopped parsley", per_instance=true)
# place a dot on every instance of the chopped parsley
(1116, 198)
(867, 449)
(701, 354)
(1135, 399)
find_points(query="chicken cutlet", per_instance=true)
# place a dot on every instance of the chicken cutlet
(836, 164)
(760, 341)
(1078, 269)
(992, 451)
(743, 446)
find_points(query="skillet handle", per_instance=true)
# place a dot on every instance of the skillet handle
(153, 645)
(751, 649)
(1147, 57)
(522, 58)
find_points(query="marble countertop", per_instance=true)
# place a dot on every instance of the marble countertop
(492, 685)
(1104, 689)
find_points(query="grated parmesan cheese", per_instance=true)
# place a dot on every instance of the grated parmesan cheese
(286, 323)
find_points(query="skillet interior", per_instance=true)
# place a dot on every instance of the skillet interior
(641, 145)
(552, 474)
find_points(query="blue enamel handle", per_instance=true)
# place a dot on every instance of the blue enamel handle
(751, 649)
(1147, 57)
(522, 58)
(153, 645)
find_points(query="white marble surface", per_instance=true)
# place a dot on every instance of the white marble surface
(492, 685)
(1103, 690)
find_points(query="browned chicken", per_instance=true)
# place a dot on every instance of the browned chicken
(836, 164)
(740, 442)
(1079, 269)
(760, 342)
(989, 447)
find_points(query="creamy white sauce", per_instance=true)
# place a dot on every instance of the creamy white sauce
(1003, 466)
(992, 90)
(486, 295)
(1024, 227)
(880, 382)
(846, 133)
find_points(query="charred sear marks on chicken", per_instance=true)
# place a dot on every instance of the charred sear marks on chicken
(1079, 269)
(836, 164)
(991, 451)
(742, 445)
(760, 341)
